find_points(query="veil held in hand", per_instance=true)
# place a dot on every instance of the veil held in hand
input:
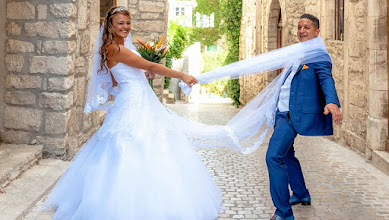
(246, 131)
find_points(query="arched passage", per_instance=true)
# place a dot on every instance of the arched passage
(275, 32)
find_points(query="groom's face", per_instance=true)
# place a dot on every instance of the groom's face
(306, 30)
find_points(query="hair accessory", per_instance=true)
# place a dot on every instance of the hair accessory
(118, 9)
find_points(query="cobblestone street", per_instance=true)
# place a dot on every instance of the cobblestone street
(342, 185)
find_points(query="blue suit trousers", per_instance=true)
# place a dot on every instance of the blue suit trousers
(284, 168)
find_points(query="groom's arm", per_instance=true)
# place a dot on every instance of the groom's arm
(327, 83)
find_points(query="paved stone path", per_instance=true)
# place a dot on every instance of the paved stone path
(342, 185)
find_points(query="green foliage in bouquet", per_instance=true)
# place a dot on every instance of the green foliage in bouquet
(153, 51)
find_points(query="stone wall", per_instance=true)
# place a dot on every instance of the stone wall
(359, 62)
(47, 52)
(48, 57)
(149, 21)
(3, 37)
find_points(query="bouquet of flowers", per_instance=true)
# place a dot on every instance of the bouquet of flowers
(153, 51)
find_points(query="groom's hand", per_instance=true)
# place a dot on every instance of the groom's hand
(335, 111)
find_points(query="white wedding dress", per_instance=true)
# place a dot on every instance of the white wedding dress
(139, 165)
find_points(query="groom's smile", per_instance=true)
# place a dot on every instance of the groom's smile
(306, 30)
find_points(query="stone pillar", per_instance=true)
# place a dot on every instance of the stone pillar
(3, 71)
(47, 57)
(149, 21)
(377, 124)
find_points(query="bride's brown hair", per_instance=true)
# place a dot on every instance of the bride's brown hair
(108, 33)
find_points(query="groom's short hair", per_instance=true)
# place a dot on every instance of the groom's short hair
(314, 19)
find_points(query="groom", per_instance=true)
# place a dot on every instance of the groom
(307, 103)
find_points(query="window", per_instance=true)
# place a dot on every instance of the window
(339, 19)
(180, 11)
(105, 5)
(204, 21)
(177, 11)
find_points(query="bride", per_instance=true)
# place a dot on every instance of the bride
(139, 164)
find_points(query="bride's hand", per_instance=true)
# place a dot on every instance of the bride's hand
(188, 79)
(149, 74)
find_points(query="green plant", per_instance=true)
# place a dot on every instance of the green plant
(210, 61)
(232, 14)
(177, 39)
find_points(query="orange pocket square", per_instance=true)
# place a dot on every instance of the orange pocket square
(305, 67)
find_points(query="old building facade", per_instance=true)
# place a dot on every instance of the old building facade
(46, 54)
(355, 33)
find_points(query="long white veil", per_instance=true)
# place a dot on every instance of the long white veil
(100, 82)
(246, 131)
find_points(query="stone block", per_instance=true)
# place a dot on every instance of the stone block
(56, 122)
(56, 101)
(358, 93)
(152, 6)
(17, 46)
(86, 122)
(23, 81)
(377, 8)
(53, 30)
(53, 145)
(354, 141)
(51, 64)
(377, 133)
(75, 121)
(16, 137)
(63, 10)
(357, 119)
(149, 16)
(20, 10)
(13, 29)
(85, 43)
(378, 29)
(149, 26)
(20, 118)
(80, 91)
(380, 159)
(378, 103)
(58, 47)
(42, 12)
(378, 70)
(60, 83)
(14, 63)
(82, 14)
(20, 97)
(80, 66)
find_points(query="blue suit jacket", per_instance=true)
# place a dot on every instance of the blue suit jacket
(312, 88)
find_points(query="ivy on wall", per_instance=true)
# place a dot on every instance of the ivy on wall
(178, 41)
(232, 14)
(207, 35)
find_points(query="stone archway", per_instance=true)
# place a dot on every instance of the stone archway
(275, 32)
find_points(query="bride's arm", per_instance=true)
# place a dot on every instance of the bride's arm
(123, 55)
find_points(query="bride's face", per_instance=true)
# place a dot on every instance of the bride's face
(121, 25)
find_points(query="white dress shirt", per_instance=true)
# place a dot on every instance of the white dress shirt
(283, 99)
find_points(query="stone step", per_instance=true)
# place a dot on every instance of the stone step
(24, 196)
(380, 159)
(170, 98)
(15, 159)
(165, 93)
